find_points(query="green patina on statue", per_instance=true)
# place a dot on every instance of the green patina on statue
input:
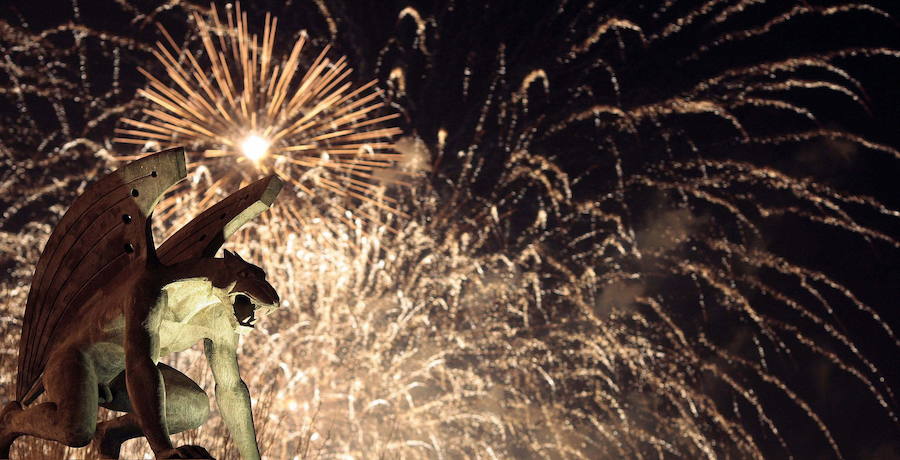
(105, 305)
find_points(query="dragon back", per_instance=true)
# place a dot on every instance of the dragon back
(103, 233)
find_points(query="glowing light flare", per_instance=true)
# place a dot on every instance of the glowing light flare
(255, 147)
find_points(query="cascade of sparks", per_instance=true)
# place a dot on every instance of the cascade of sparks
(592, 269)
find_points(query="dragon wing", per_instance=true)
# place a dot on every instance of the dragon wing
(204, 235)
(103, 233)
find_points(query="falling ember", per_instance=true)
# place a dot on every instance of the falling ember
(298, 121)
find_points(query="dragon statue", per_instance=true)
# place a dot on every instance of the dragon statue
(106, 305)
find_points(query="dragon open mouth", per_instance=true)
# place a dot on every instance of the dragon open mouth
(244, 310)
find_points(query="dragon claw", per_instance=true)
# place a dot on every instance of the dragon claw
(6, 435)
(105, 444)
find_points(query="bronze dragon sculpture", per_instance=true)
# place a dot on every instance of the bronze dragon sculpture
(106, 305)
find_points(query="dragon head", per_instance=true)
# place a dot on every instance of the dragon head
(250, 293)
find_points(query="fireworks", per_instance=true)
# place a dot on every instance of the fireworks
(246, 105)
(626, 249)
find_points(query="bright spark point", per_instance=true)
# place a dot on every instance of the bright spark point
(255, 147)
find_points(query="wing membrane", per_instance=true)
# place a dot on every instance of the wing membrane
(101, 235)
(204, 235)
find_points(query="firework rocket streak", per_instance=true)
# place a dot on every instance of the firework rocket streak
(105, 306)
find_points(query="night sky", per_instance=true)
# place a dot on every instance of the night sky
(464, 74)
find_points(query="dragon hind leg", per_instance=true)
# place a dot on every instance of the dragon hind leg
(69, 417)
(187, 407)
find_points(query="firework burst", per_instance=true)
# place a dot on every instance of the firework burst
(246, 110)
